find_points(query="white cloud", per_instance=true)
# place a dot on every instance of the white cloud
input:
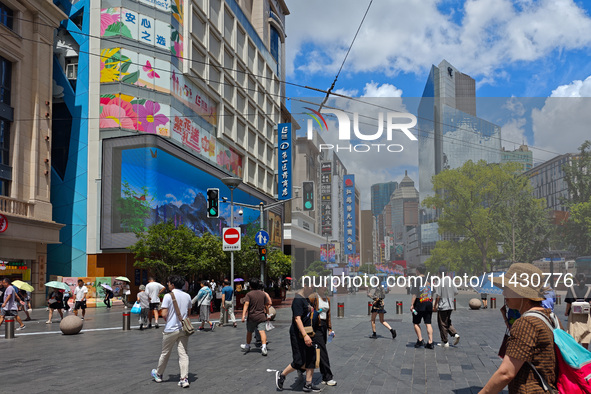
(372, 89)
(347, 92)
(513, 133)
(171, 199)
(409, 36)
(574, 89)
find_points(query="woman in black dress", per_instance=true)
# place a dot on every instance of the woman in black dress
(55, 301)
(377, 308)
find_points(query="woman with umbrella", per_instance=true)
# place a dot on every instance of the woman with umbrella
(55, 301)
(108, 295)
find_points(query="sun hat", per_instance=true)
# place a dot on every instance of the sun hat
(521, 278)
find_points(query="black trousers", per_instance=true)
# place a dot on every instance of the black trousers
(320, 337)
(445, 326)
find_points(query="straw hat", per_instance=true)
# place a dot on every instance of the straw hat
(523, 277)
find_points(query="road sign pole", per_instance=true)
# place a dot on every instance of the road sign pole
(261, 208)
(232, 252)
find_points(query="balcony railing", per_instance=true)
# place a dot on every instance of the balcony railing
(16, 207)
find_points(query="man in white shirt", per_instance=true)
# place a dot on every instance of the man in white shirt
(154, 289)
(445, 294)
(173, 334)
(80, 293)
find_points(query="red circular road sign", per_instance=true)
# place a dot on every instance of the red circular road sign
(231, 236)
(3, 223)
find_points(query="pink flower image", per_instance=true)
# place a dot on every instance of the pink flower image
(107, 20)
(148, 117)
(113, 116)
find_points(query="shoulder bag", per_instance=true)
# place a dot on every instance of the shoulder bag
(581, 307)
(186, 322)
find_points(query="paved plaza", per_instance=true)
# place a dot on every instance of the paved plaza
(103, 358)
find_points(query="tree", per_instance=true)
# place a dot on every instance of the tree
(579, 228)
(455, 256)
(278, 264)
(165, 250)
(134, 210)
(212, 261)
(577, 175)
(317, 269)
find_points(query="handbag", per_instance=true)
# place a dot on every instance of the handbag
(581, 307)
(136, 308)
(186, 322)
(503, 347)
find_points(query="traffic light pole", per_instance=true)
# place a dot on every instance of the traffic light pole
(261, 210)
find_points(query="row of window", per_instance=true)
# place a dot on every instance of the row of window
(5, 90)
(6, 16)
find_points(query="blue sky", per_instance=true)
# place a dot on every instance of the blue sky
(514, 49)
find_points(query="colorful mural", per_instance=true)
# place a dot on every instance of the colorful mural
(127, 112)
(176, 33)
(193, 97)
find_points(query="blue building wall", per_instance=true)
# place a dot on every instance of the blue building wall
(69, 189)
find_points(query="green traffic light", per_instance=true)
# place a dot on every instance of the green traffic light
(212, 211)
(308, 204)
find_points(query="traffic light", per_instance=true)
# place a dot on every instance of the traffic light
(308, 196)
(263, 254)
(213, 210)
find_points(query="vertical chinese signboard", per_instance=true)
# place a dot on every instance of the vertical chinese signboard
(349, 213)
(284, 162)
(325, 197)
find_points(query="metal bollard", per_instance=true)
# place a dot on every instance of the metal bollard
(455, 304)
(558, 299)
(9, 330)
(399, 307)
(493, 303)
(341, 309)
(126, 321)
(369, 304)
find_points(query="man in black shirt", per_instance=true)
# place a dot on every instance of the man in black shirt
(422, 307)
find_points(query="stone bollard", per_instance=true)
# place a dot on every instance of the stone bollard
(493, 303)
(558, 299)
(341, 309)
(126, 321)
(9, 330)
(369, 304)
(455, 304)
(399, 307)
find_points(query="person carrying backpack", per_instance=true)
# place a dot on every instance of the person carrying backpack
(530, 360)
(579, 320)
(422, 307)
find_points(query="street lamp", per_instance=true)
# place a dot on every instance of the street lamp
(232, 184)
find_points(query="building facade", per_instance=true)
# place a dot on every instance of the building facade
(159, 100)
(521, 155)
(548, 182)
(27, 225)
(380, 196)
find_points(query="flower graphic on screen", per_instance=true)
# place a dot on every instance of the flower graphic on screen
(148, 117)
(115, 112)
(108, 18)
(151, 73)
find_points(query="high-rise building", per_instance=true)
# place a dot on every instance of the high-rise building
(405, 210)
(27, 224)
(380, 196)
(159, 100)
(450, 134)
(521, 155)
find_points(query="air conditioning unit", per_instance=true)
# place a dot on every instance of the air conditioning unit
(72, 71)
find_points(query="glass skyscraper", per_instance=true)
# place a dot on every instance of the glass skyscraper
(380, 196)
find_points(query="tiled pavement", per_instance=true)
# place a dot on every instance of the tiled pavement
(116, 361)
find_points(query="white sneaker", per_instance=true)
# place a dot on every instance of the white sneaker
(456, 339)
(245, 348)
(184, 383)
(330, 382)
(443, 344)
(264, 351)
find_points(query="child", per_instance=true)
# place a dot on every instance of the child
(144, 299)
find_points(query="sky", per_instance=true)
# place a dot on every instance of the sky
(531, 61)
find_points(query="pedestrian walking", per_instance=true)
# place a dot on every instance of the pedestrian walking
(108, 296)
(256, 308)
(154, 289)
(321, 304)
(56, 302)
(444, 296)
(80, 293)
(378, 308)
(422, 307)
(227, 304)
(26, 298)
(67, 296)
(10, 304)
(484, 299)
(302, 347)
(173, 330)
(531, 343)
(203, 301)
(144, 299)
(579, 324)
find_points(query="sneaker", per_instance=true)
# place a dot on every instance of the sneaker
(429, 346)
(279, 379)
(245, 348)
(373, 336)
(393, 331)
(21, 327)
(264, 351)
(330, 382)
(184, 383)
(150, 325)
(445, 344)
(235, 325)
(141, 327)
(157, 378)
(27, 319)
(157, 326)
(419, 343)
(212, 327)
(48, 322)
(456, 339)
(310, 388)
(82, 318)
(200, 329)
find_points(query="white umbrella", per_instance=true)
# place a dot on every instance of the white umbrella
(106, 286)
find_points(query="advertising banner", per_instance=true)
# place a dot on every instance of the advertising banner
(284, 162)
(349, 213)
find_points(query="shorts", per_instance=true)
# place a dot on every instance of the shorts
(57, 305)
(380, 310)
(303, 356)
(483, 296)
(10, 312)
(80, 304)
(252, 326)
(422, 315)
(154, 306)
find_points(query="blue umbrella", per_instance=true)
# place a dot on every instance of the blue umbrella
(485, 285)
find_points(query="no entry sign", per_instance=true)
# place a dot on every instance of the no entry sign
(231, 238)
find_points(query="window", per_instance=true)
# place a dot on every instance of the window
(4, 142)
(6, 16)
(5, 80)
(72, 71)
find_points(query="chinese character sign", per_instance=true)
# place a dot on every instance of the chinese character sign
(284, 162)
(325, 193)
(349, 213)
